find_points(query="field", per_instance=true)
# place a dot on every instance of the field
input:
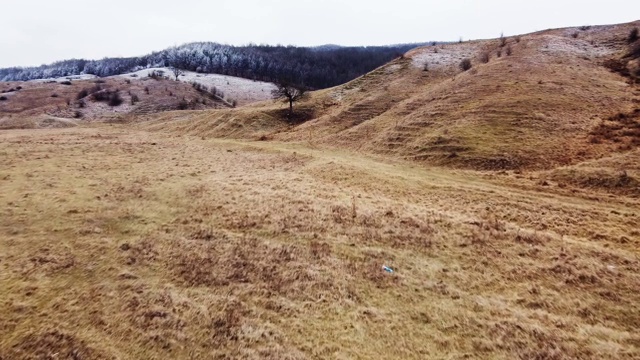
(119, 243)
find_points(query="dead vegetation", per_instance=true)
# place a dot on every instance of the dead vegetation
(327, 238)
(266, 250)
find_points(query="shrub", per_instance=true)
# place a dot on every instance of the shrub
(101, 96)
(633, 35)
(127, 81)
(584, 27)
(518, 39)
(80, 103)
(575, 35)
(465, 64)
(18, 88)
(99, 81)
(234, 103)
(77, 114)
(183, 105)
(508, 51)
(134, 99)
(425, 67)
(54, 95)
(146, 89)
(82, 94)
(503, 40)
(156, 75)
(3, 98)
(115, 99)
(65, 82)
(484, 57)
(499, 53)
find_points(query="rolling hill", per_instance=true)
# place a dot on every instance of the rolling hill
(539, 101)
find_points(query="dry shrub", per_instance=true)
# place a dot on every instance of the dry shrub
(465, 64)
(484, 57)
(508, 50)
(633, 36)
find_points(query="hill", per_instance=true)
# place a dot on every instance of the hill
(318, 67)
(535, 101)
(70, 101)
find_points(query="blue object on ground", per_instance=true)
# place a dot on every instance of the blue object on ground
(387, 269)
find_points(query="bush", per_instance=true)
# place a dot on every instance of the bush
(508, 51)
(101, 96)
(584, 28)
(157, 75)
(633, 35)
(18, 88)
(146, 89)
(503, 40)
(134, 99)
(484, 57)
(66, 83)
(54, 95)
(115, 99)
(3, 98)
(575, 35)
(183, 105)
(465, 64)
(82, 94)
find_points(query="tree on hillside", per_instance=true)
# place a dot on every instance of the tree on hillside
(176, 72)
(286, 91)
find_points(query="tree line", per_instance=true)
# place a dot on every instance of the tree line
(312, 67)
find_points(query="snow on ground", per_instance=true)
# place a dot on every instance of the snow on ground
(443, 57)
(244, 91)
(66, 78)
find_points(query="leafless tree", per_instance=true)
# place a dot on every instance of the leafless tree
(176, 72)
(288, 92)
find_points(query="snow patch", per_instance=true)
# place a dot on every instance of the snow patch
(244, 91)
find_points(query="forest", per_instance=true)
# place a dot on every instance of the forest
(312, 67)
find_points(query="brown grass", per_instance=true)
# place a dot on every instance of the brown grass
(536, 109)
(118, 243)
(34, 106)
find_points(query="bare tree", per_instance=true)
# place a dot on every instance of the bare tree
(176, 72)
(289, 92)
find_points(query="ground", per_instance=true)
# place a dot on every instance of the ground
(119, 243)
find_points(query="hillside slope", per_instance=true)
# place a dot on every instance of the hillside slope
(548, 100)
(65, 103)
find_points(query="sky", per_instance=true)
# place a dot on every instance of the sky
(34, 32)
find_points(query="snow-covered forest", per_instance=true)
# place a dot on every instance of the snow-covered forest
(316, 67)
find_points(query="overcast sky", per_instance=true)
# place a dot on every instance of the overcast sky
(41, 31)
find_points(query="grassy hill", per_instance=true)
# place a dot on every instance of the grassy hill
(547, 100)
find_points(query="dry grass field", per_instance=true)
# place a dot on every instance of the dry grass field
(417, 212)
(123, 244)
